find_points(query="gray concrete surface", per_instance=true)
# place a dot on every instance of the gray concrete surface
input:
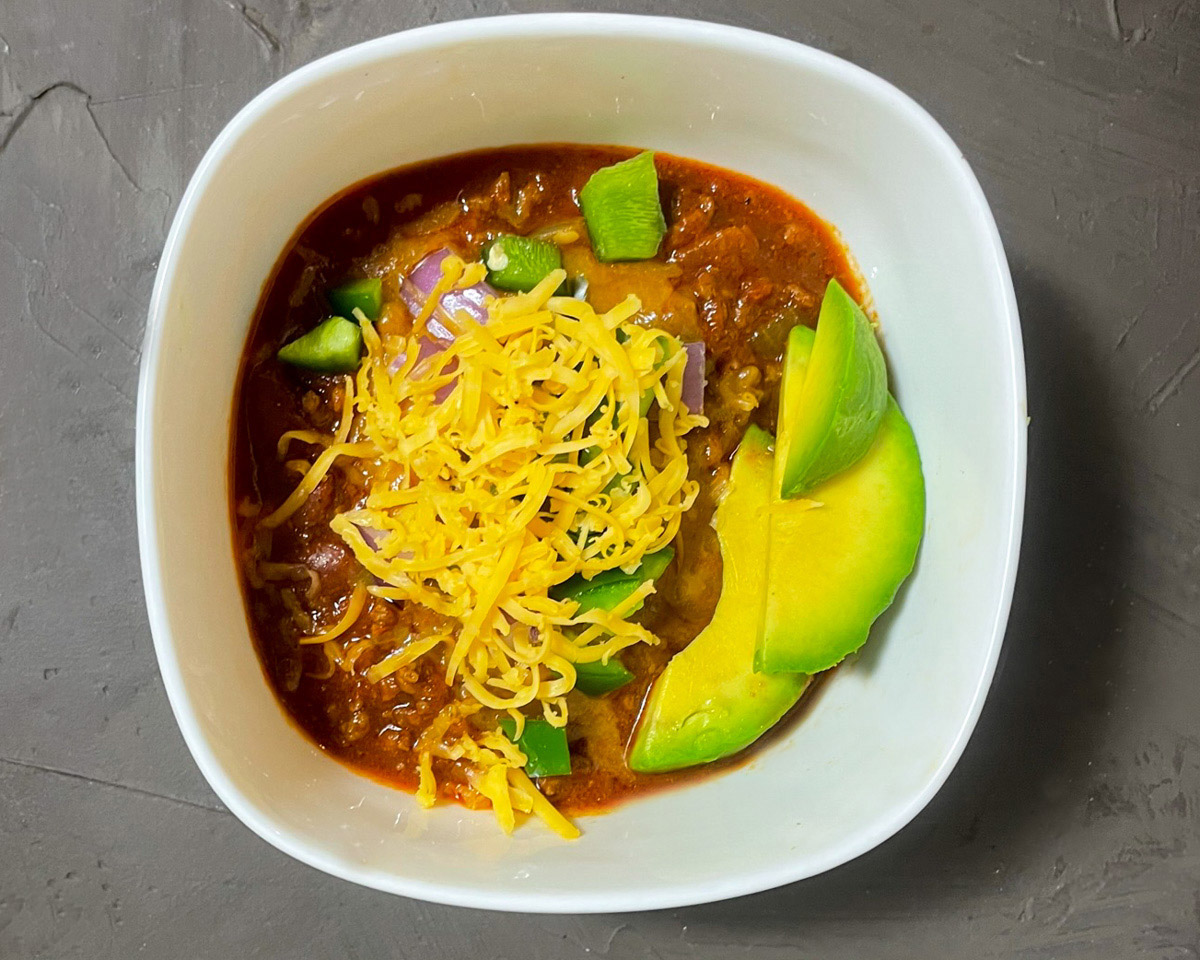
(1069, 829)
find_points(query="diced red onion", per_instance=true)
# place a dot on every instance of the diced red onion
(428, 348)
(419, 284)
(371, 536)
(425, 349)
(424, 277)
(443, 393)
(469, 300)
(694, 382)
(415, 291)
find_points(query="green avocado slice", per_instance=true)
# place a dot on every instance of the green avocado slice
(836, 560)
(829, 416)
(708, 702)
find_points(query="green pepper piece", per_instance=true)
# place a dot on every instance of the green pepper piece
(609, 587)
(588, 454)
(617, 480)
(597, 679)
(544, 746)
(333, 346)
(520, 263)
(366, 295)
(621, 208)
(645, 402)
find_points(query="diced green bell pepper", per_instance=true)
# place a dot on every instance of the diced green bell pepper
(520, 263)
(609, 587)
(622, 210)
(333, 346)
(645, 402)
(544, 746)
(366, 295)
(597, 679)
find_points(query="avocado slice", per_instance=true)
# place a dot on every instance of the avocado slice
(828, 417)
(708, 702)
(835, 561)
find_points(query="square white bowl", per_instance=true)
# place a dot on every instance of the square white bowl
(889, 727)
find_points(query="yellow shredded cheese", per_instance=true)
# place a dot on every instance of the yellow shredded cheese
(541, 806)
(413, 650)
(354, 609)
(314, 476)
(304, 436)
(508, 462)
(315, 438)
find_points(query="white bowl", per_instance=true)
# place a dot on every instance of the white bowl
(889, 727)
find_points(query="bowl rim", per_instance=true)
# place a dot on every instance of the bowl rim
(751, 42)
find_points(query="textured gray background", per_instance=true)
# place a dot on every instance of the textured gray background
(1069, 828)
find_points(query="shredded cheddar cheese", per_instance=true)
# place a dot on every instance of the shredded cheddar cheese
(511, 460)
(354, 609)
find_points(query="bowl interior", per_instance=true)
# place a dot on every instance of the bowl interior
(886, 729)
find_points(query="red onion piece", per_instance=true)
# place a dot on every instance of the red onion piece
(442, 393)
(694, 381)
(425, 275)
(371, 536)
(415, 291)
(419, 284)
(425, 349)
(468, 300)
